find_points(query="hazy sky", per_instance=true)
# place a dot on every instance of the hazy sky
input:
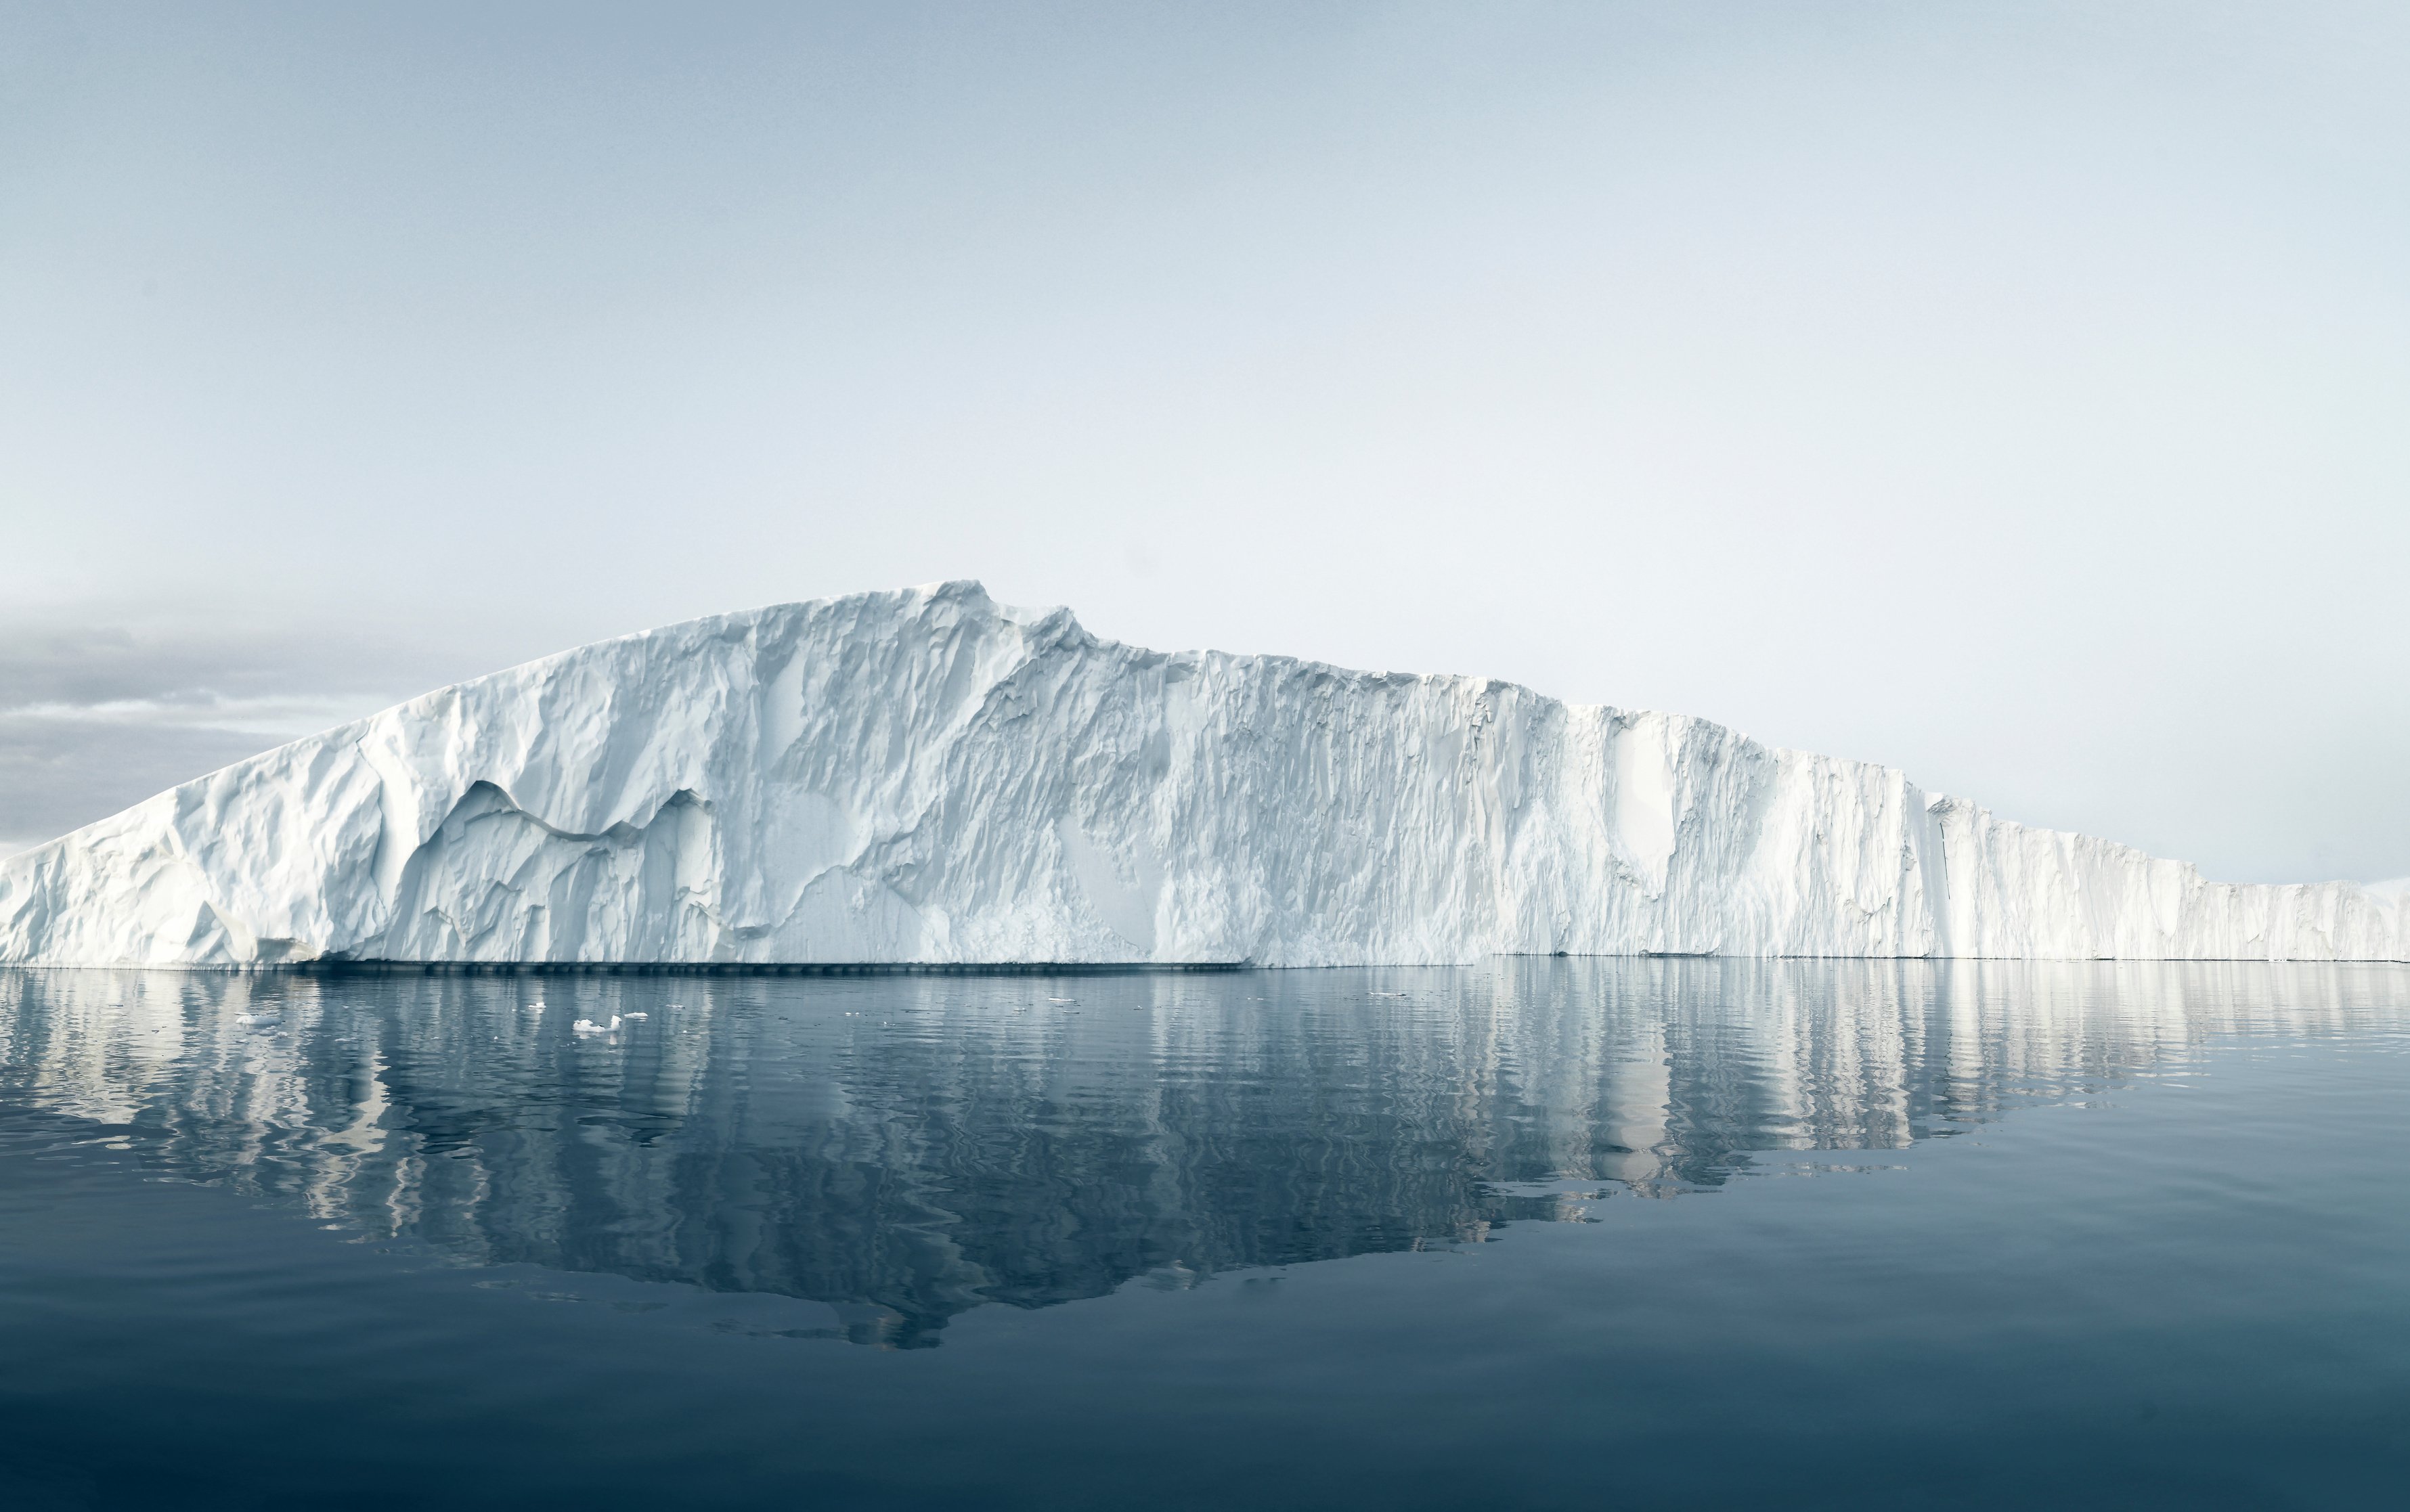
(2017, 394)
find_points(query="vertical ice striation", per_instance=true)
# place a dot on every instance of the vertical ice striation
(927, 776)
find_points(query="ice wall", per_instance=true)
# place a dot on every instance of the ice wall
(929, 776)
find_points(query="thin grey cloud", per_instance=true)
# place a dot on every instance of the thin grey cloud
(77, 666)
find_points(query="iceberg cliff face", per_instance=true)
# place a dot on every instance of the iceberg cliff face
(928, 776)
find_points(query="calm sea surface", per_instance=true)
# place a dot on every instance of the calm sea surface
(1546, 1233)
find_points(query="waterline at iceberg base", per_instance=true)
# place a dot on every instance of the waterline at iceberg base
(928, 777)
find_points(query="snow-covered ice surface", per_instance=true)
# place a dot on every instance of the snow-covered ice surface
(928, 776)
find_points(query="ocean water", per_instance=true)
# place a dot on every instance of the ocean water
(1541, 1233)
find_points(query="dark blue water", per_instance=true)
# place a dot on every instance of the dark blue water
(1644, 1235)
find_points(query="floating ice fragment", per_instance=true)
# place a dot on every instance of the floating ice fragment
(265, 1020)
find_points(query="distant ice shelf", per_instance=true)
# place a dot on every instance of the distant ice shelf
(930, 777)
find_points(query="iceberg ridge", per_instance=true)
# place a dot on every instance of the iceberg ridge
(928, 777)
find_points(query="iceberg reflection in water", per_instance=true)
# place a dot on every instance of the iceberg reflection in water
(909, 1148)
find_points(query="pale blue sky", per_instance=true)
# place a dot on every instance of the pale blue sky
(2010, 393)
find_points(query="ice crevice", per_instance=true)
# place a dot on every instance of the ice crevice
(928, 776)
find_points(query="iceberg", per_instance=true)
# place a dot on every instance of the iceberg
(930, 778)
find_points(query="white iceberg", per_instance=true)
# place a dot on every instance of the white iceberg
(930, 777)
